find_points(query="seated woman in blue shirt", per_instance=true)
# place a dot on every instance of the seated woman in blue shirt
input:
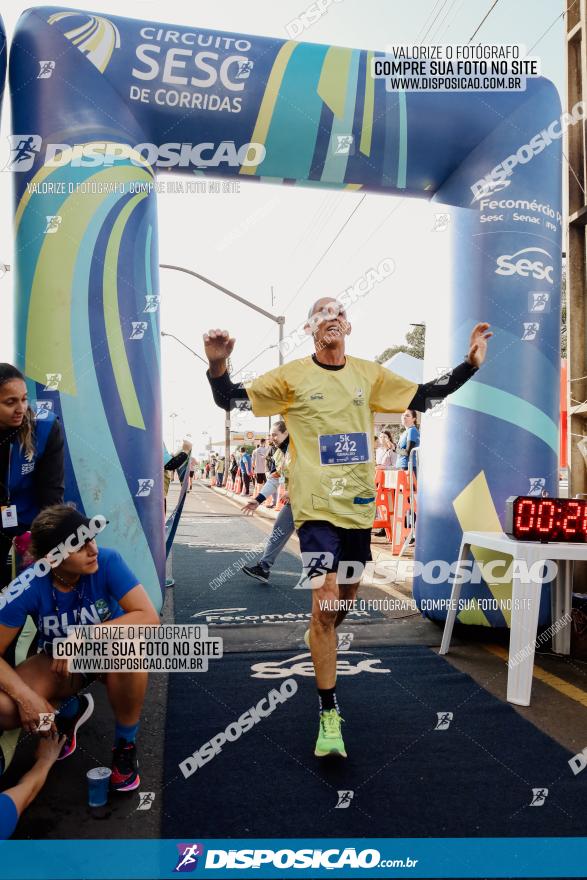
(409, 439)
(89, 586)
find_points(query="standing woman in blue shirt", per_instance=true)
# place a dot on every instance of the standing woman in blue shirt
(31, 462)
(31, 470)
(409, 439)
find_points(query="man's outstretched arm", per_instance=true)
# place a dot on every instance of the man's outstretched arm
(440, 388)
(218, 347)
(227, 393)
(267, 395)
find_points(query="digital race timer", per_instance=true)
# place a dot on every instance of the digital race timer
(531, 518)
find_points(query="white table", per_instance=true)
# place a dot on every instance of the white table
(525, 602)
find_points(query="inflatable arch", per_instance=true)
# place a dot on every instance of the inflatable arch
(132, 93)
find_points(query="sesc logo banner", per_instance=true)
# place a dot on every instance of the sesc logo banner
(531, 262)
(302, 665)
(292, 858)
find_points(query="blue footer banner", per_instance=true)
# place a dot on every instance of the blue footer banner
(376, 857)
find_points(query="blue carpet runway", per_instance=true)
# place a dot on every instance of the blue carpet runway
(412, 770)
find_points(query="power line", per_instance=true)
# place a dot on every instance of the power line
(447, 29)
(321, 219)
(440, 23)
(417, 40)
(433, 21)
(550, 27)
(309, 275)
(483, 20)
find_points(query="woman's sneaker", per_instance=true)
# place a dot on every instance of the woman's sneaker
(70, 726)
(125, 767)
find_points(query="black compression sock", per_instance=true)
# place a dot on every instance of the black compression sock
(327, 698)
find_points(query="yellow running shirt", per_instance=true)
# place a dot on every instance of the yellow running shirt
(328, 414)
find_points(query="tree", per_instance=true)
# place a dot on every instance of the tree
(414, 345)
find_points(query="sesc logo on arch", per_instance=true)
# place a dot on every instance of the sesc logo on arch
(354, 663)
(531, 262)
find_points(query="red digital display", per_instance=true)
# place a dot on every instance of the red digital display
(547, 519)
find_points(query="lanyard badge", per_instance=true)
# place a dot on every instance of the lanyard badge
(9, 516)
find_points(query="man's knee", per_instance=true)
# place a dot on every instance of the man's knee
(325, 610)
(349, 591)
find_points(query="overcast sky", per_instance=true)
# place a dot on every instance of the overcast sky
(270, 236)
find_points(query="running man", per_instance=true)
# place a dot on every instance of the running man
(327, 402)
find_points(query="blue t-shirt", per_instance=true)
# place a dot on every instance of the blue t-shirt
(410, 435)
(246, 462)
(94, 600)
(8, 816)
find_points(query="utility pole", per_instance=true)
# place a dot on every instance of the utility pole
(278, 319)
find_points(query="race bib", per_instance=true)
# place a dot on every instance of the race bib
(344, 448)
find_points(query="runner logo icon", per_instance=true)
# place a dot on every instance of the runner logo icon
(444, 719)
(188, 854)
(344, 800)
(46, 69)
(539, 796)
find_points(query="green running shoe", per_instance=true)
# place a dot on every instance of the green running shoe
(329, 740)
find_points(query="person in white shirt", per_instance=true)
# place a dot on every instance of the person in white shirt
(259, 456)
(379, 450)
(388, 448)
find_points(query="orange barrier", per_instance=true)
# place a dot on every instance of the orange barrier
(229, 483)
(404, 509)
(384, 502)
(238, 483)
(394, 506)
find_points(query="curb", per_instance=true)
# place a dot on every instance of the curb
(241, 500)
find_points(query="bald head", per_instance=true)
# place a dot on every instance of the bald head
(323, 303)
(327, 322)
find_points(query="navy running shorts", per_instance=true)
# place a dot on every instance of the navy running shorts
(324, 546)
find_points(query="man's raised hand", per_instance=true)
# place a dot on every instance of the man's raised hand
(218, 346)
(478, 344)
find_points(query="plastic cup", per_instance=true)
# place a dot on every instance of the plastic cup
(98, 786)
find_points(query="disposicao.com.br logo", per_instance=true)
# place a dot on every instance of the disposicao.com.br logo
(330, 859)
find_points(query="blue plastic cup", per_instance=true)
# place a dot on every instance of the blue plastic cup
(98, 786)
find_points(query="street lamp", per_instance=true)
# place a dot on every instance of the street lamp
(195, 353)
(278, 319)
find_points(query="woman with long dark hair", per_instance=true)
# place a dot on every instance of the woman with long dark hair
(409, 439)
(388, 456)
(31, 461)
